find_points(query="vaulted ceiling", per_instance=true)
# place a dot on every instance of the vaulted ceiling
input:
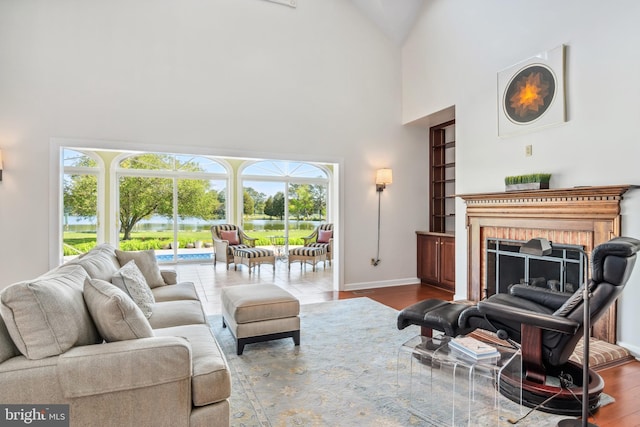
(394, 17)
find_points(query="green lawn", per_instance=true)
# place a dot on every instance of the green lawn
(83, 242)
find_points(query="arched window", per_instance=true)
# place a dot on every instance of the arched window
(284, 199)
(170, 201)
(81, 202)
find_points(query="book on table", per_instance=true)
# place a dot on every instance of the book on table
(474, 348)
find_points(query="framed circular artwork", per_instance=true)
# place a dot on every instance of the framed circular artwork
(531, 93)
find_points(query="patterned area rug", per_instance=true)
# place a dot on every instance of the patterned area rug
(346, 372)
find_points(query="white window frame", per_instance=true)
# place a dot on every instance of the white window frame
(99, 172)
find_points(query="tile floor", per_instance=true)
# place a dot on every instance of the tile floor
(305, 284)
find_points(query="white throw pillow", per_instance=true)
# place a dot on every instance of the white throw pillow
(130, 279)
(116, 316)
(146, 262)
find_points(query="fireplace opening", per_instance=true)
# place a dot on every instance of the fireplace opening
(562, 270)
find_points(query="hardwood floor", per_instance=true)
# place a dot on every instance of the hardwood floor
(621, 382)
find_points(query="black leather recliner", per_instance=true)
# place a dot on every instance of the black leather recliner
(547, 325)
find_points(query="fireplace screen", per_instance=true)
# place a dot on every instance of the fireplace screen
(562, 270)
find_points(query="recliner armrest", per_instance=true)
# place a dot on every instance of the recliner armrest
(547, 297)
(540, 320)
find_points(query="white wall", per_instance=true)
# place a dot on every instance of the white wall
(246, 77)
(452, 58)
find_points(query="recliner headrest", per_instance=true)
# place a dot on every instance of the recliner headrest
(613, 261)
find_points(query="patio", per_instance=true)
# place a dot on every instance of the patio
(305, 284)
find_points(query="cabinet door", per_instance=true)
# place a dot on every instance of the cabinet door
(428, 266)
(448, 263)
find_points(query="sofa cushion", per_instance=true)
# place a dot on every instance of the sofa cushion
(180, 291)
(47, 316)
(146, 262)
(7, 348)
(131, 280)
(177, 313)
(100, 262)
(211, 381)
(115, 314)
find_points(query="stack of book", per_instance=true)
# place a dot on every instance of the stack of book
(474, 349)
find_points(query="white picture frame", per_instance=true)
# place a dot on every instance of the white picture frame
(531, 93)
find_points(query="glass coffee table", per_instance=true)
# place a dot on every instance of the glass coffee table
(279, 244)
(448, 388)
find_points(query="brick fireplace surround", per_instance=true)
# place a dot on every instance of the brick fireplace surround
(585, 216)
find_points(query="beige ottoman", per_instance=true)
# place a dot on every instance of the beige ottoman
(256, 313)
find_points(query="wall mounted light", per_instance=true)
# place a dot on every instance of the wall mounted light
(383, 177)
(1, 165)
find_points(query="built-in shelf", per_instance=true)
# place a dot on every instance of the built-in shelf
(442, 178)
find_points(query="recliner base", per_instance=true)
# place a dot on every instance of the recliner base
(567, 402)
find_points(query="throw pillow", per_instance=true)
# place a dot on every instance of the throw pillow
(146, 262)
(231, 236)
(130, 279)
(47, 316)
(116, 316)
(324, 236)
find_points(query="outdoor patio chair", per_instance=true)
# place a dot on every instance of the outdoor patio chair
(322, 237)
(226, 239)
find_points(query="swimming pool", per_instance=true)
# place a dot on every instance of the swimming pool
(186, 257)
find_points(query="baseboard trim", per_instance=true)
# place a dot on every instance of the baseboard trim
(381, 284)
(633, 349)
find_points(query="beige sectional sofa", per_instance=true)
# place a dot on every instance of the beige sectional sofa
(69, 337)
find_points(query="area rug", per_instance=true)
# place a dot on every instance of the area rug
(346, 372)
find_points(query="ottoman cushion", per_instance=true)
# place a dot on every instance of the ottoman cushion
(256, 303)
(253, 252)
(435, 314)
(307, 251)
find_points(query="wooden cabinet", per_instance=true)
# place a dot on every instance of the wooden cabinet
(437, 259)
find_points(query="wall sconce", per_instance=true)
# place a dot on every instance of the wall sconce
(1, 167)
(383, 177)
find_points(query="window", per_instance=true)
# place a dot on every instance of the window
(81, 198)
(283, 199)
(170, 201)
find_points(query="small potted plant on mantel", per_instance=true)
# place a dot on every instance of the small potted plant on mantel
(534, 181)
